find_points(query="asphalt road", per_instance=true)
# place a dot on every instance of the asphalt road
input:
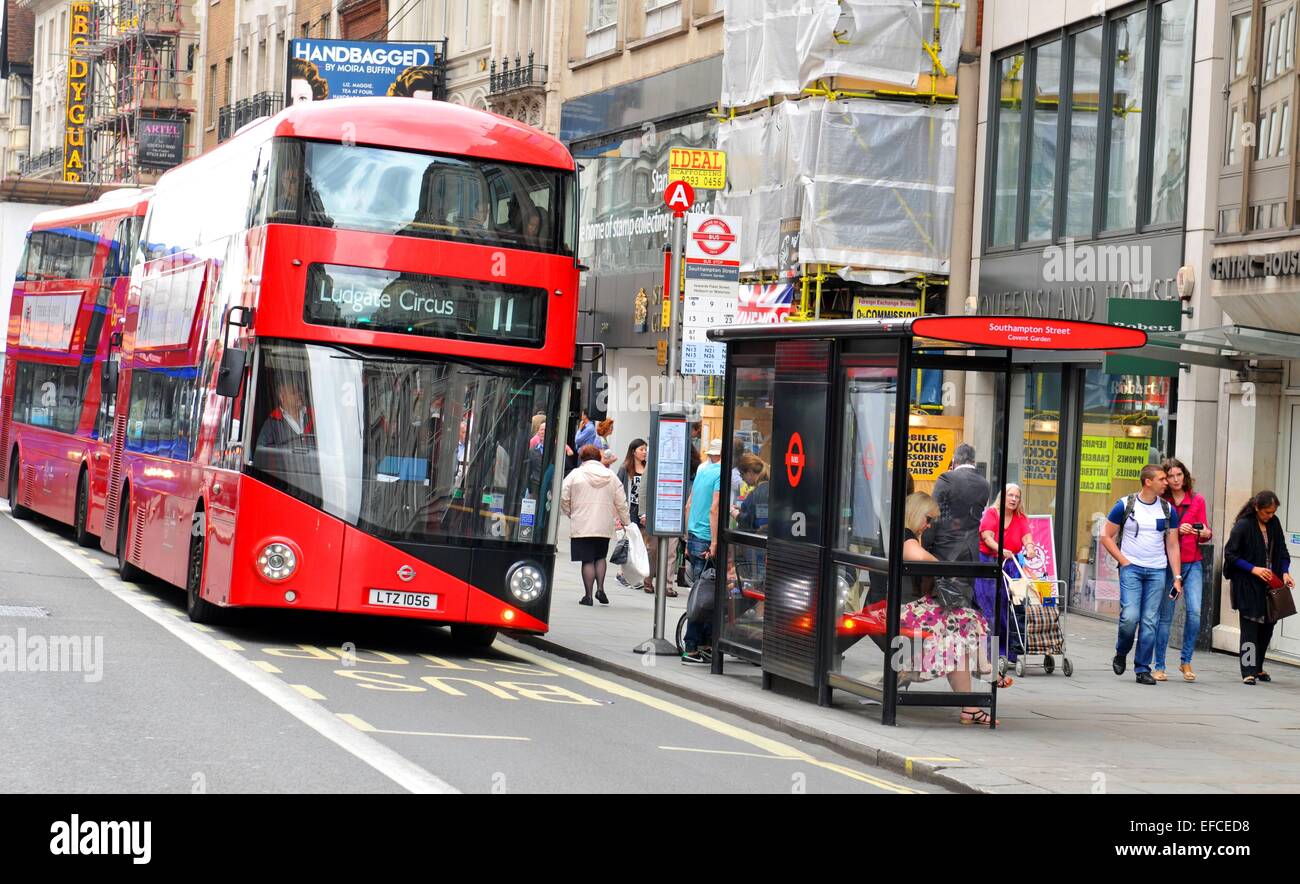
(301, 702)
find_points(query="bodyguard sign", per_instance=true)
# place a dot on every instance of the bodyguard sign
(321, 69)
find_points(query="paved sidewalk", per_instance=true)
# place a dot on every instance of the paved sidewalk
(1093, 732)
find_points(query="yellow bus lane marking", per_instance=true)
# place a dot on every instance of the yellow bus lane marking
(366, 727)
(201, 627)
(308, 691)
(766, 744)
(907, 762)
(267, 667)
(227, 643)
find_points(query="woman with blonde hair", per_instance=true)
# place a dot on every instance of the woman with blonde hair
(1016, 538)
(951, 635)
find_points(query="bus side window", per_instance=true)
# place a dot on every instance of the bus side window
(135, 414)
(257, 207)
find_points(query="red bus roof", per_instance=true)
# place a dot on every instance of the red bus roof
(423, 125)
(113, 204)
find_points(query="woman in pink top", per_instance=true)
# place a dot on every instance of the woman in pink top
(1193, 530)
(1015, 538)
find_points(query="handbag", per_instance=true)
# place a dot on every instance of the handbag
(619, 555)
(1280, 603)
(683, 576)
(699, 606)
(953, 592)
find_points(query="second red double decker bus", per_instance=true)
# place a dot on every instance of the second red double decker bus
(344, 328)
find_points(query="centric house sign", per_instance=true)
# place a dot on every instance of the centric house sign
(1255, 266)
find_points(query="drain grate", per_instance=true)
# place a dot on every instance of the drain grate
(22, 611)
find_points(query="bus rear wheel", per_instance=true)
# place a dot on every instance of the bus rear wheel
(199, 609)
(125, 569)
(472, 635)
(84, 537)
(18, 511)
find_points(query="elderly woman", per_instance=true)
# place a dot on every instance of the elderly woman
(953, 636)
(1016, 538)
(593, 499)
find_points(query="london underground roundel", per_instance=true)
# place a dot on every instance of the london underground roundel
(794, 460)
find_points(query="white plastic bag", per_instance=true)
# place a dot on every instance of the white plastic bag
(637, 567)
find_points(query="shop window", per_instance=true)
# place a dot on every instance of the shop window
(1006, 175)
(1123, 430)
(1042, 144)
(1082, 147)
(1288, 40)
(1173, 111)
(1127, 64)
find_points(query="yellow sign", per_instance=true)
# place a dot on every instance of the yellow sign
(1039, 465)
(870, 307)
(702, 169)
(661, 352)
(1128, 457)
(74, 127)
(929, 451)
(1095, 464)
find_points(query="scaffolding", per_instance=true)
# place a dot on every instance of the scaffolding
(849, 127)
(142, 58)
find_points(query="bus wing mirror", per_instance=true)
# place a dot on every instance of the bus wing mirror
(109, 380)
(598, 396)
(230, 377)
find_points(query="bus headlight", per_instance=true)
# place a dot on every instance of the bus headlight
(277, 561)
(526, 581)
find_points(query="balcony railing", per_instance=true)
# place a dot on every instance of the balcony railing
(521, 76)
(39, 162)
(233, 117)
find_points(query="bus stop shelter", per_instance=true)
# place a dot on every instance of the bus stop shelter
(817, 589)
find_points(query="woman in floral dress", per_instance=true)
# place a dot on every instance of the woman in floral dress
(954, 637)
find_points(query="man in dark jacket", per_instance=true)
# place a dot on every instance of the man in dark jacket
(962, 494)
(289, 421)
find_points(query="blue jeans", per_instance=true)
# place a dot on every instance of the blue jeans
(1192, 577)
(697, 551)
(1140, 593)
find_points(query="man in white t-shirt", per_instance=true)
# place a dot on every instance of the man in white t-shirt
(1141, 534)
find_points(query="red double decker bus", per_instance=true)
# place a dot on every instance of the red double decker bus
(341, 327)
(69, 296)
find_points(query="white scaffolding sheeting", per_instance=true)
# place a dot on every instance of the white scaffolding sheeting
(871, 181)
(777, 47)
(765, 43)
(881, 195)
(771, 154)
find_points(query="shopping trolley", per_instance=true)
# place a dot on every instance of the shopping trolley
(1038, 624)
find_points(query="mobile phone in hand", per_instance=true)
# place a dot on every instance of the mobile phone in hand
(1199, 526)
(1173, 593)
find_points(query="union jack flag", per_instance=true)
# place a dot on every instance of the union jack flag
(765, 303)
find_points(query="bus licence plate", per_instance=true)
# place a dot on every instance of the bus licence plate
(393, 599)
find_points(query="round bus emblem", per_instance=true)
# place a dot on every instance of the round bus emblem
(406, 573)
(714, 237)
(794, 460)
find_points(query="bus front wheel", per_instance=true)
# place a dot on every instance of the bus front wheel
(17, 509)
(199, 609)
(472, 635)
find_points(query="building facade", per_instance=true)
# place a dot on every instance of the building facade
(244, 64)
(19, 37)
(638, 79)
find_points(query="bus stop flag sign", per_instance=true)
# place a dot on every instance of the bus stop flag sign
(679, 197)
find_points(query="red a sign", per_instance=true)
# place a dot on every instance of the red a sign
(679, 197)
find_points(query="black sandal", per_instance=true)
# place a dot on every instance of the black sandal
(1250, 679)
(671, 593)
(979, 716)
(1263, 676)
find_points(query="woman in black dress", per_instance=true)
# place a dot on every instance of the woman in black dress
(1255, 557)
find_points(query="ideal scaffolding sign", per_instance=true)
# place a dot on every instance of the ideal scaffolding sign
(321, 69)
(74, 128)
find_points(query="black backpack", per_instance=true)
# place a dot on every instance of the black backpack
(1129, 503)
